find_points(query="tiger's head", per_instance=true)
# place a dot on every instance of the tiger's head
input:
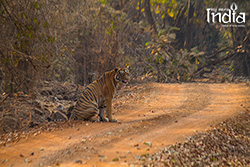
(122, 75)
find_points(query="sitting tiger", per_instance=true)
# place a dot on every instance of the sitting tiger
(98, 95)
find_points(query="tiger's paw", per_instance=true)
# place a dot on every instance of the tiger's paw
(104, 119)
(113, 120)
(94, 119)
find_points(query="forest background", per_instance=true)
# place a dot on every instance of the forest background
(76, 41)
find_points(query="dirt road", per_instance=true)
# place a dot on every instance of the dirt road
(150, 117)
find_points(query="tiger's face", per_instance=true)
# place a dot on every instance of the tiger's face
(122, 75)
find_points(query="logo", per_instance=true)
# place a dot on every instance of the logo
(228, 17)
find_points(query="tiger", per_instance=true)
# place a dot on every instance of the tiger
(98, 95)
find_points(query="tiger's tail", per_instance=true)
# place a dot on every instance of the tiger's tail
(69, 111)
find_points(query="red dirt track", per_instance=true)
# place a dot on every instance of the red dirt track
(150, 116)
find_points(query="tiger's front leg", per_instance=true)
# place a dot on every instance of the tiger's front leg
(109, 110)
(101, 115)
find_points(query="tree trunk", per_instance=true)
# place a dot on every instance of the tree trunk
(148, 14)
(242, 61)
